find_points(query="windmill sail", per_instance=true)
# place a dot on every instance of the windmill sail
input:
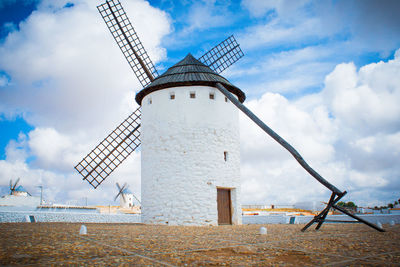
(112, 151)
(222, 55)
(128, 41)
(118, 145)
(12, 187)
(120, 191)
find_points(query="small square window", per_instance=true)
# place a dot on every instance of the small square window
(172, 96)
(212, 96)
(192, 94)
(226, 99)
(149, 101)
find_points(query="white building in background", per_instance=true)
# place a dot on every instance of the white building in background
(19, 197)
(126, 199)
(20, 191)
(310, 205)
(190, 148)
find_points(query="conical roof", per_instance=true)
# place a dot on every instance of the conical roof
(20, 189)
(187, 72)
(126, 191)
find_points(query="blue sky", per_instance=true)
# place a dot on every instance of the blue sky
(323, 74)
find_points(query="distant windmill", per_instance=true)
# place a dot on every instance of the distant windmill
(18, 191)
(12, 187)
(189, 135)
(126, 196)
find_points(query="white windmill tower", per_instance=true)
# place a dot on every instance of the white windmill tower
(126, 199)
(18, 191)
(190, 148)
(190, 136)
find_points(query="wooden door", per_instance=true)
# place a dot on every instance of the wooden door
(224, 206)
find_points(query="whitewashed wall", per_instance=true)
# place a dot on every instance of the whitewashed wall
(281, 219)
(41, 216)
(183, 143)
(126, 202)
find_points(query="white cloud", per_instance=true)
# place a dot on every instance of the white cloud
(3, 80)
(70, 81)
(365, 26)
(312, 134)
(275, 33)
(349, 133)
(207, 14)
(53, 150)
(367, 99)
(73, 67)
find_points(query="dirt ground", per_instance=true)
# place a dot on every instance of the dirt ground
(44, 244)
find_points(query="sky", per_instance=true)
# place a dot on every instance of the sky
(325, 75)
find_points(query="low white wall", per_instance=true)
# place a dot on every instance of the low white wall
(275, 219)
(40, 216)
(269, 219)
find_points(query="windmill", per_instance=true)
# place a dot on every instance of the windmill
(18, 191)
(127, 196)
(12, 187)
(190, 141)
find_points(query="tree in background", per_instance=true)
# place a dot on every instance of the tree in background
(349, 204)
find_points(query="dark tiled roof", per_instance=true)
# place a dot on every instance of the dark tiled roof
(186, 72)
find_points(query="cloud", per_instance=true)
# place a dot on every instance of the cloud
(372, 25)
(3, 80)
(207, 14)
(349, 133)
(73, 67)
(297, 44)
(366, 99)
(367, 26)
(68, 79)
(269, 167)
(289, 72)
(52, 150)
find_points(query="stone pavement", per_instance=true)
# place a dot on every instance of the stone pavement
(42, 244)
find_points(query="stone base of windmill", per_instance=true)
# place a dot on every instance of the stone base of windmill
(209, 205)
(195, 213)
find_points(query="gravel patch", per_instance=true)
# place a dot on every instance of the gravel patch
(43, 244)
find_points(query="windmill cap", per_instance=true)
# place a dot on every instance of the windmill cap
(20, 189)
(187, 72)
(126, 191)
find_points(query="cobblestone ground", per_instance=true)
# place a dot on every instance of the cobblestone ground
(44, 244)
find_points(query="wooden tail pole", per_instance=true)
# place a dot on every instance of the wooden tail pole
(336, 193)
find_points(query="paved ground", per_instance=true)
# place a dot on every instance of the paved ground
(44, 244)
